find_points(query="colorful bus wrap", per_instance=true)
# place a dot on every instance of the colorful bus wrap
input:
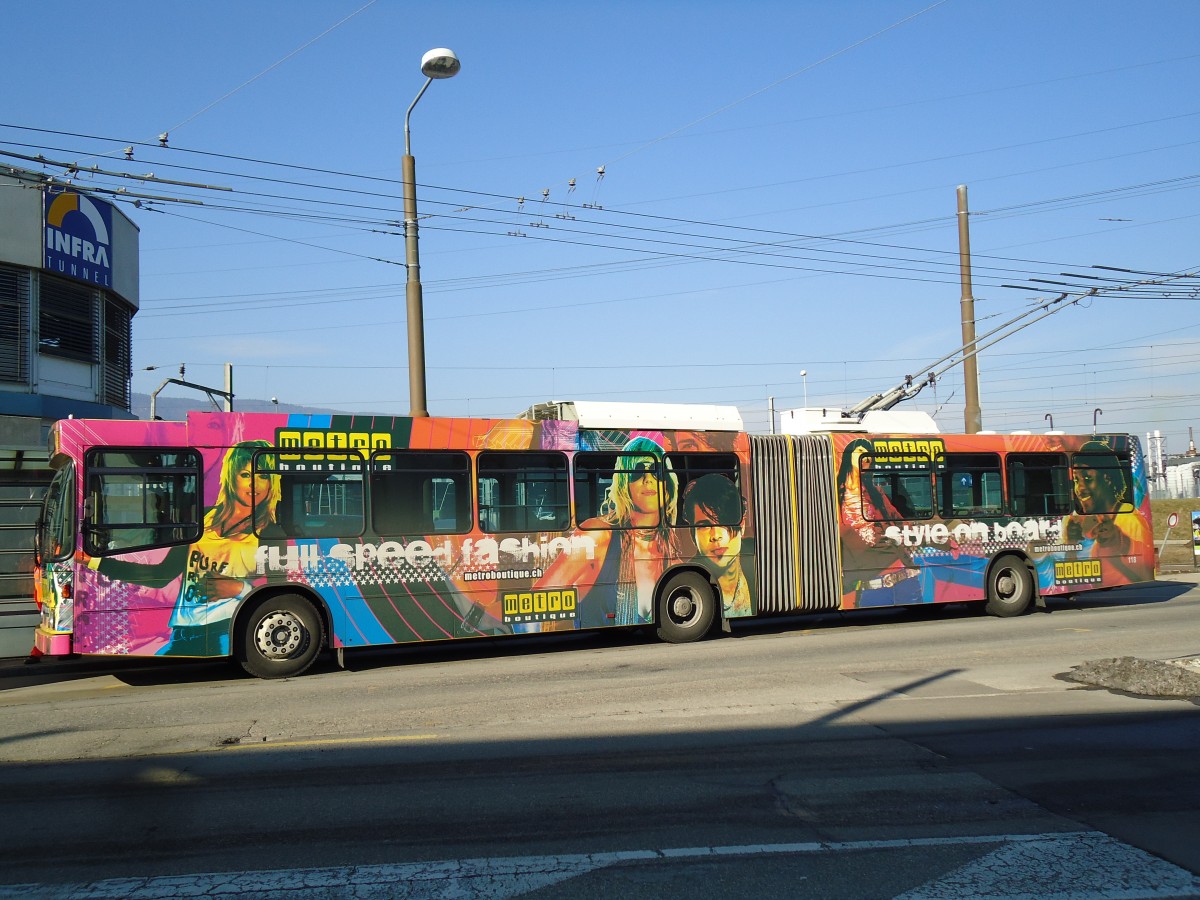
(944, 518)
(268, 537)
(385, 530)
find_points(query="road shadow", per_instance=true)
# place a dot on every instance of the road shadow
(508, 794)
(157, 671)
(128, 669)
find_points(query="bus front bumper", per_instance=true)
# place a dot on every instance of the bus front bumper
(52, 643)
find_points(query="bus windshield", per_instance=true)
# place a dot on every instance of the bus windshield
(56, 527)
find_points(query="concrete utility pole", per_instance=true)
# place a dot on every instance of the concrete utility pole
(438, 63)
(972, 416)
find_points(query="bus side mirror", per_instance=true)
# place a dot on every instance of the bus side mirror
(95, 539)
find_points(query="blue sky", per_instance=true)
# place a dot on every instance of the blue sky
(778, 196)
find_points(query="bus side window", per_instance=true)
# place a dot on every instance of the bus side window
(1038, 484)
(421, 492)
(913, 496)
(322, 497)
(969, 484)
(689, 467)
(901, 502)
(1105, 478)
(55, 537)
(882, 502)
(593, 476)
(140, 499)
(522, 491)
(908, 492)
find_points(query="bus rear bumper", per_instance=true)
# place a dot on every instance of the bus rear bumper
(52, 643)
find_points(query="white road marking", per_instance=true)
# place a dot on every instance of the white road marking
(1085, 865)
(1088, 865)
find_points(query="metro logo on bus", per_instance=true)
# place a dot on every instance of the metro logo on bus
(321, 441)
(539, 606)
(1079, 571)
(78, 237)
(906, 453)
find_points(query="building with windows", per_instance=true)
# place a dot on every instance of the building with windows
(68, 294)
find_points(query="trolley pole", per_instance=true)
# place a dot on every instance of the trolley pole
(972, 416)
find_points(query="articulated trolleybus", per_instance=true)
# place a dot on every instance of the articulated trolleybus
(269, 537)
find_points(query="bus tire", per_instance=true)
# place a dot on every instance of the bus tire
(279, 636)
(686, 608)
(1009, 587)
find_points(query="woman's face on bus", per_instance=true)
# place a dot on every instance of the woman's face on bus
(643, 485)
(250, 486)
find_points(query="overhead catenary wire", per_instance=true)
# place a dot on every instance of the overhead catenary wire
(738, 247)
(729, 247)
(711, 252)
(1011, 210)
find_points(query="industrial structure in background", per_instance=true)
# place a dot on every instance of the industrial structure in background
(68, 295)
(1172, 477)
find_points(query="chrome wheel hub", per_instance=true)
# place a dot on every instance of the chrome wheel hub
(279, 635)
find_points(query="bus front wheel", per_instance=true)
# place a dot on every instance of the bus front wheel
(686, 608)
(1009, 587)
(280, 637)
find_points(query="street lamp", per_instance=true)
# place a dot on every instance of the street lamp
(438, 63)
(804, 378)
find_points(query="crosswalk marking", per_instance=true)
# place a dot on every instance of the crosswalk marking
(1051, 866)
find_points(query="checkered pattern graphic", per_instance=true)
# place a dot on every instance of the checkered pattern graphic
(332, 573)
(980, 549)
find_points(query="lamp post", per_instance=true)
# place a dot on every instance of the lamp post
(804, 378)
(438, 63)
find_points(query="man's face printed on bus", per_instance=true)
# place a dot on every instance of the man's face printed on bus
(1094, 489)
(719, 544)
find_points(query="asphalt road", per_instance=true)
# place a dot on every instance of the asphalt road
(928, 754)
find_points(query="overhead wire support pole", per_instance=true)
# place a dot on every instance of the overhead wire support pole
(972, 415)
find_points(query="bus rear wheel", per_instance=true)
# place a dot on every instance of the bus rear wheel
(1009, 587)
(280, 637)
(686, 608)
